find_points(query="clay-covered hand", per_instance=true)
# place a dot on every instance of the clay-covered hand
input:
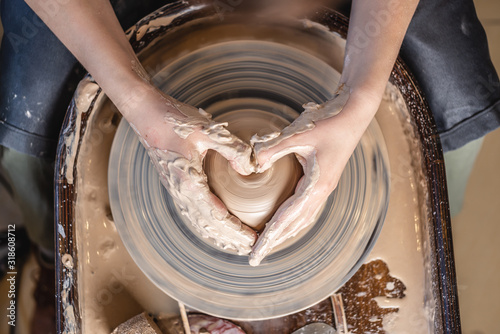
(177, 137)
(322, 140)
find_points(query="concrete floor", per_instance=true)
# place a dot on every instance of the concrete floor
(476, 230)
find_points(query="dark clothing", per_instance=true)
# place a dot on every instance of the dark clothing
(38, 75)
(445, 48)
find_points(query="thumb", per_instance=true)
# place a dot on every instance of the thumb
(239, 154)
(268, 152)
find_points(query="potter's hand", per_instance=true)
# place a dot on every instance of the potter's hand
(323, 138)
(325, 145)
(176, 138)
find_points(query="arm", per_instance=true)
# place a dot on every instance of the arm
(91, 31)
(175, 135)
(376, 31)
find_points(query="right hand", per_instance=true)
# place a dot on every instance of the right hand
(177, 137)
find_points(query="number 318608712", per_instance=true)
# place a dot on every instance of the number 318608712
(11, 255)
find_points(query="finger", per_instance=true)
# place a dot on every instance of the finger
(211, 135)
(240, 156)
(271, 147)
(303, 222)
(236, 151)
(187, 184)
(266, 156)
(294, 214)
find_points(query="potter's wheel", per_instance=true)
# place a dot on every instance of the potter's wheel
(260, 79)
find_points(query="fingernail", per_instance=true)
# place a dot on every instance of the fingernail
(254, 262)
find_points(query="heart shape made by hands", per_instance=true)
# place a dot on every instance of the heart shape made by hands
(254, 198)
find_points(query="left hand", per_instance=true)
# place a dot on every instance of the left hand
(323, 147)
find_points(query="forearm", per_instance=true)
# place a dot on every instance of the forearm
(376, 31)
(91, 31)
